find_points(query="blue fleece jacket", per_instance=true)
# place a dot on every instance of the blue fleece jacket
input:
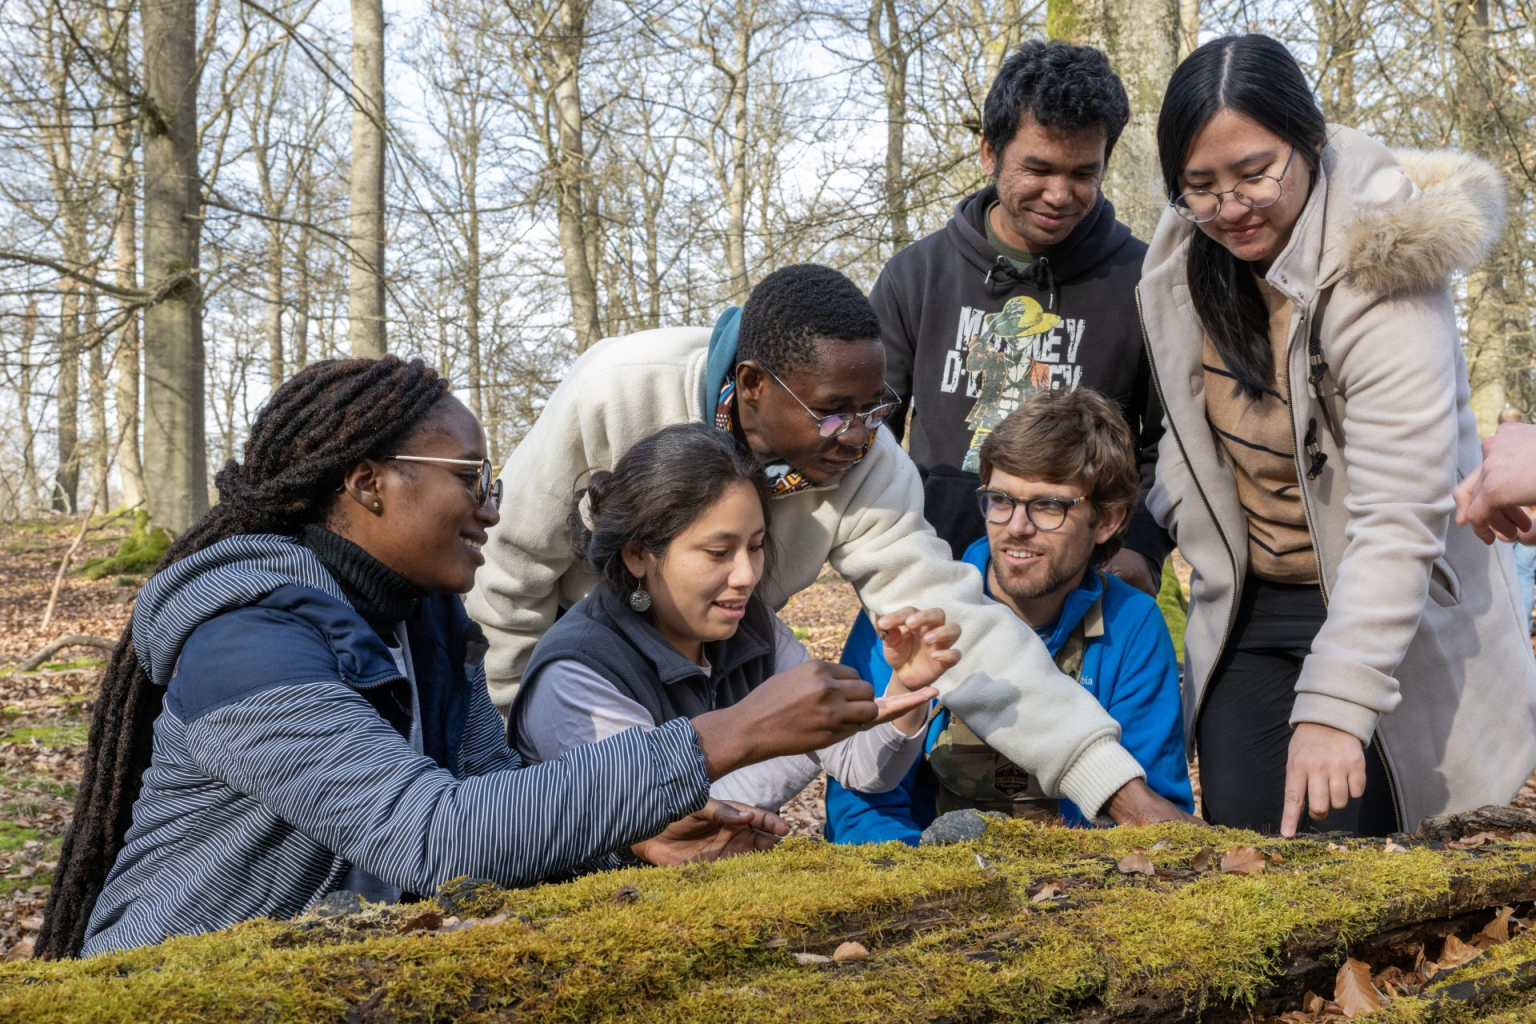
(1131, 669)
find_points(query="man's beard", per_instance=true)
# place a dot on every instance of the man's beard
(1056, 575)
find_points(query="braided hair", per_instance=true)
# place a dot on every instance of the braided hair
(319, 424)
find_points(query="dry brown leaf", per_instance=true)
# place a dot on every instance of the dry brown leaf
(1202, 861)
(32, 924)
(1312, 1003)
(848, 952)
(1497, 930)
(1455, 953)
(1161, 844)
(1275, 858)
(1393, 847)
(429, 921)
(1243, 860)
(1048, 891)
(1336, 848)
(812, 959)
(1136, 864)
(1353, 991)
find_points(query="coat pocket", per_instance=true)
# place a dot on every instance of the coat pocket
(1444, 587)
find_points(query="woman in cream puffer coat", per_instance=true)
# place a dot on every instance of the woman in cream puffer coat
(1297, 292)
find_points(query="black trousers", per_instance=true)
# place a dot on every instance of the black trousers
(1243, 733)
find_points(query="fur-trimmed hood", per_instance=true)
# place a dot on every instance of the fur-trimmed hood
(1408, 218)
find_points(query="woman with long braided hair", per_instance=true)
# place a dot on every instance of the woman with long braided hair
(298, 708)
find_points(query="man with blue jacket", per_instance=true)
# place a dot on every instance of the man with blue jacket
(1059, 481)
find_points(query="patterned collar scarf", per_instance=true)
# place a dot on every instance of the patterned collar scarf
(781, 478)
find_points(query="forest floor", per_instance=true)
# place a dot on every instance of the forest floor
(45, 713)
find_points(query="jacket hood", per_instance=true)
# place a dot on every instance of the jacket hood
(1420, 215)
(1095, 239)
(233, 573)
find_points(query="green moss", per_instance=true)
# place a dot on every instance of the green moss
(49, 735)
(953, 935)
(61, 666)
(1174, 606)
(137, 553)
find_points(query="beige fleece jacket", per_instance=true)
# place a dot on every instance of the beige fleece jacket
(869, 526)
(1422, 648)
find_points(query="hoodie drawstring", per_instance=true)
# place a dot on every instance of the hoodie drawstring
(1037, 273)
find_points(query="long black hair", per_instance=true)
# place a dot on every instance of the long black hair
(655, 492)
(322, 421)
(1255, 76)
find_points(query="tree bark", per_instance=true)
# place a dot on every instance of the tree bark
(1142, 43)
(571, 168)
(888, 44)
(736, 190)
(66, 478)
(174, 438)
(96, 402)
(125, 359)
(366, 197)
(1486, 298)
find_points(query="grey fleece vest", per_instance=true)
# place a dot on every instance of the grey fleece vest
(602, 632)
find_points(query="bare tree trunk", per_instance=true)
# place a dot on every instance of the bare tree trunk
(125, 360)
(736, 191)
(174, 439)
(66, 477)
(366, 202)
(1486, 298)
(888, 44)
(1189, 27)
(571, 167)
(24, 401)
(301, 271)
(276, 371)
(1142, 43)
(96, 402)
(472, 271)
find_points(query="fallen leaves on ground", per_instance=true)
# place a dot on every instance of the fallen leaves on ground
(1136, 863)
(848, 952)
(1353, 991)
(1244, 860)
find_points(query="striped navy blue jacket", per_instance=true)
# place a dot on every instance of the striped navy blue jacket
(273, 774)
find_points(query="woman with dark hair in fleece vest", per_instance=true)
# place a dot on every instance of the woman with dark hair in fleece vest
(299, 706)
(678, 537)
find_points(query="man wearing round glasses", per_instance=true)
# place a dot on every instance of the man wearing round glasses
(1058, 483)
(798, 376)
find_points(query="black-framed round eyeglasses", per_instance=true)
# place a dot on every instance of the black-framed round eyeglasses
(487, 484)
(838, 423)
(1255, 192)
(1044, 514)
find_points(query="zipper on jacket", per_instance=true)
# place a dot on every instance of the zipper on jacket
(1322, 580)
(1237, 583)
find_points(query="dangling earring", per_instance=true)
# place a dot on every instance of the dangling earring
(639, 600)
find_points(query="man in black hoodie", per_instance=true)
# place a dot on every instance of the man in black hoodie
(1031, 286)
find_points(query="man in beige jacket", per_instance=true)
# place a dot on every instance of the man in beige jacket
(804, 388)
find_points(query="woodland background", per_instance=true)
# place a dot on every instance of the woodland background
(197, 197)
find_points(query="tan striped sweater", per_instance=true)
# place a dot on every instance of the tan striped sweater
(1258, 440)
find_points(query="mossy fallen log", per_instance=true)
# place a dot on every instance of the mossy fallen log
(1027, 923)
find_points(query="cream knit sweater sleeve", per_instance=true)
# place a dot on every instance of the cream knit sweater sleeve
(619, 391)
(1006, 688)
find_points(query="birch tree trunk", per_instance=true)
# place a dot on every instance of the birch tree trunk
(174, 439)
(366, 199)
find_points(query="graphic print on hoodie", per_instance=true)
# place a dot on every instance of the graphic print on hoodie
(934, 300)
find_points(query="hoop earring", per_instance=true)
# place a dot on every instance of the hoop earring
(639, 600)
